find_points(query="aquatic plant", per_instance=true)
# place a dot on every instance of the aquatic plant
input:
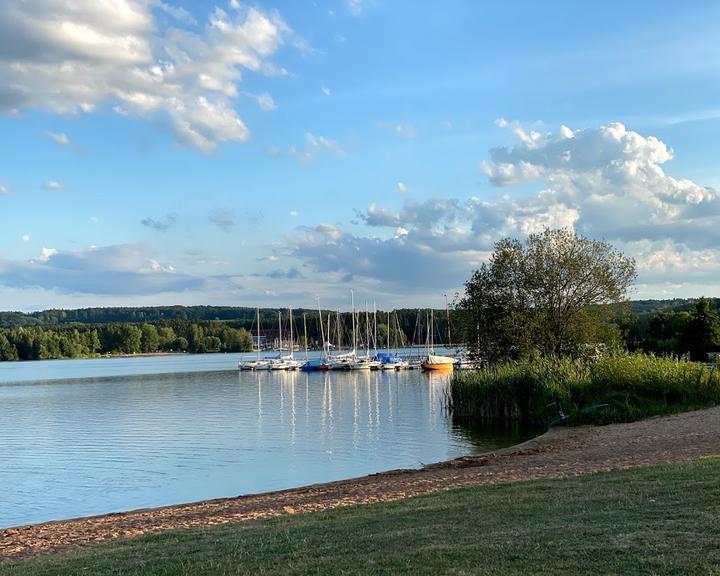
(619, 387)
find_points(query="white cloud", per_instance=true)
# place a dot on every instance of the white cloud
(402, 187)
(52, 185)
(405, 130)
(326, 90)
(355, 7)
(317, 144)
(178, 13)
(59, 138)
(45, 255)
(266, 102)
(294, 213)
(606, 183)
(69, 57)
(25, 237)
(4, 191)
(108, 270)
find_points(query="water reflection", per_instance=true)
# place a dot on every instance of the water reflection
(96, 445)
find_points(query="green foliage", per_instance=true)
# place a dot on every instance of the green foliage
(535, 389)
(82, 341)
(695, 331)
(549, 294)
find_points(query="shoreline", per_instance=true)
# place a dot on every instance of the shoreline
(557, 453)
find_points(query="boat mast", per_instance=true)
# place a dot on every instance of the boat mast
(447, 313)
(322, 329)
(367, 331)
(305, 327)
(258, 334)
(291, 346)
(337, 328)
(375, 327)
(352, 300)
(280, 331)
(388, 334)
(430, 331)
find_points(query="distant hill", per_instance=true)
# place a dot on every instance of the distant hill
(246, 315)
(674, 305)
(135, 315)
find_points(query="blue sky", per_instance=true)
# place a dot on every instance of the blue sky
(233, 153)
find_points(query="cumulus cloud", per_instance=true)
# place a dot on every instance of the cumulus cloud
(25, 237)
(110, 270)
(52, 185)
(70, 57)
(161, 224)
(402, 187)
(406, 265)
(607, 183)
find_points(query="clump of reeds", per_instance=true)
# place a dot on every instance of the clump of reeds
(615, 388)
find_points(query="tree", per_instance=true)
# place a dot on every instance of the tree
(7, 350)
(550, 294)
(150, 339)
(702, 332)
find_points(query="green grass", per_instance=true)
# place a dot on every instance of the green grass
(656, 520)
(633, 386)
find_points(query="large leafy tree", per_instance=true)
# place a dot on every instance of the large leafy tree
(550, 293)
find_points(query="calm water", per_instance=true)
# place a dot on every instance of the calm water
(86, 437)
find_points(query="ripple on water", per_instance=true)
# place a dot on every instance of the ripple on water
(85, 446)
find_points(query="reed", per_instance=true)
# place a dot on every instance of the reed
(620, 387)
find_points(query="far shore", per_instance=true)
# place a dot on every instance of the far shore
(558, 453)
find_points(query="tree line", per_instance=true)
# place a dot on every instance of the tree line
(83, 341)
(89, 340)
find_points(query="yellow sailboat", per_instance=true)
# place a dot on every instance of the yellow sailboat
(436, 362)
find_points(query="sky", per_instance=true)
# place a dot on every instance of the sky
(160, 152)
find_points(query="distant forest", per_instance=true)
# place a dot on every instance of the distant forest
(659, 326)
(91, 332)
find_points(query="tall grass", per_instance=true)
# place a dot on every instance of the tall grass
(615, 388)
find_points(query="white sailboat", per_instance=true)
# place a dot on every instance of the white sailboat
(258, 362)
(432, 361)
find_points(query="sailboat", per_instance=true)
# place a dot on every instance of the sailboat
(288, 361)
(436, 362)
(346, 360)
(316, 364)
(257, 363)
(389, 360)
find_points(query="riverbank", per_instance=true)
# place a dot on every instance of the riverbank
(558, 453)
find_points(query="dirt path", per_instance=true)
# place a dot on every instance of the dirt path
(560, 452)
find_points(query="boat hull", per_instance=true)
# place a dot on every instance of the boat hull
(428, 367)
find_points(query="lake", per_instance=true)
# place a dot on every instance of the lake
(84, 437)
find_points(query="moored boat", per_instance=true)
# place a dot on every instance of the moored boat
(437, 362)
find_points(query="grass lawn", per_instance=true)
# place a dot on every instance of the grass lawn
(656, 520)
